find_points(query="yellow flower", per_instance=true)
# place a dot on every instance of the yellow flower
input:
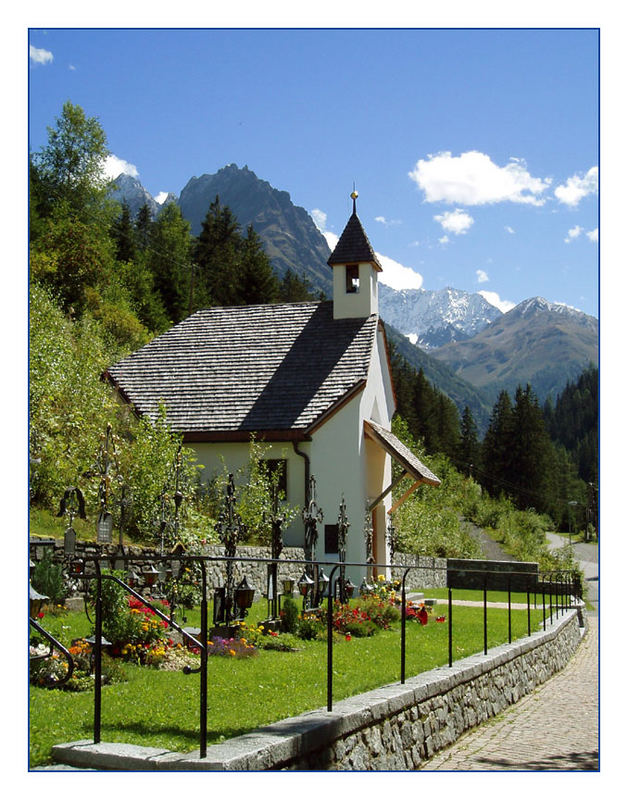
(231, 652)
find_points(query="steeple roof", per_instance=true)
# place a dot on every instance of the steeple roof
(353, 246)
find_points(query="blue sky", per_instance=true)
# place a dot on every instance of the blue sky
(474, 152)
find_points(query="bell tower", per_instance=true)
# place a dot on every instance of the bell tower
(355, 267)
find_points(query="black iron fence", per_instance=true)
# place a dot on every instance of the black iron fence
(557, 591)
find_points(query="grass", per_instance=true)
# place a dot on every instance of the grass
(161, 709)
(478, 595)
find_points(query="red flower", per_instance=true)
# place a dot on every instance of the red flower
(348, 637)
(40, 615)
(440, 619)
(423, 616)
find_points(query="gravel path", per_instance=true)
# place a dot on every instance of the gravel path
(490, 548)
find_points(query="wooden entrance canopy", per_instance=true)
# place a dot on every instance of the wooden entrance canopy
(409, 462)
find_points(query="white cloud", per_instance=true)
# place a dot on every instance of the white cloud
(331, 239)
(388, 222)
(482, 276)
(115, 166)
(573, 233)
(577, 187)
(320, 219)
(473, 179)
(161, 197)
(593, 235)
(396, 275)
(456, 222)
(444, 239)
(495, 300)
(393, 274)
(509, 229)
(40, 56)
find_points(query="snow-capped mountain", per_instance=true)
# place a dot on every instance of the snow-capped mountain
(431, 319)
(537, 342)
(128, 189)
(473, 347)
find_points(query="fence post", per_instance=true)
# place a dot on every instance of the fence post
(509, 615)
(451, 604)
(330, 620)
(204, 661)
(403, 625)
(97, 654)
(485, 618)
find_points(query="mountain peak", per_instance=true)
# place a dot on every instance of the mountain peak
(126, 188)
(431, 318)
(537, 305)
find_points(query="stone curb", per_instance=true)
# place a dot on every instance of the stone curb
(277, 744)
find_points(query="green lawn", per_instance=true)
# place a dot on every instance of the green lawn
(160, 708)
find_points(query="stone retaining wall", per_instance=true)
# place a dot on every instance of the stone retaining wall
(427, 572)
(255, 572)
(431, 572)
(399, 726)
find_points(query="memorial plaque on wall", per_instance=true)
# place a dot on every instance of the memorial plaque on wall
(69, 542)
(105, 528)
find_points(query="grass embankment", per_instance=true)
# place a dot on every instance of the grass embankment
(161, 709)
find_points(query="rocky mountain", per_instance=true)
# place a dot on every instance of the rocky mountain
(537, 342)
(443, 378)
(466, 347)
(290, 237)
(129, 189)
(431, 319)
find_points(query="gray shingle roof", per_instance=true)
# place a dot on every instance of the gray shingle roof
(400, 453)
(353, 246)
(249, 368)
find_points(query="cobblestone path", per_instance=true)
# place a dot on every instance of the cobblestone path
(553, 728)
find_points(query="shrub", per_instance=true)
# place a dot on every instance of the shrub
(48, 579)
(232, 648)
(284, 642)
(45, 671)
(289, 616)
(310, 626)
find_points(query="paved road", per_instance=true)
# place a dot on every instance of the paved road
(553, 728)
(588, 557)
(556, 727)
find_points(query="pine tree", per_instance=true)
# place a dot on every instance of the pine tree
(495, 452)
(216, 254)
(124, 235)
(533, 467)
(448, 425)
(169, 260)
(257, 282)
(468, 451)
(143, 225)
(293, 289)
